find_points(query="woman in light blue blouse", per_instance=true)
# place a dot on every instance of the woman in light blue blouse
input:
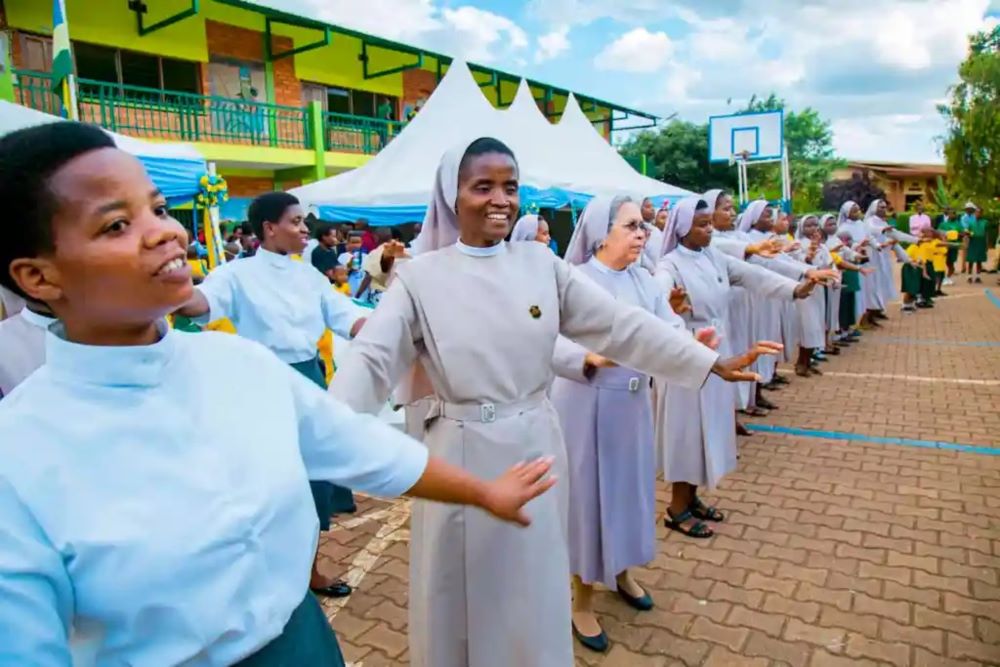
(121, 521)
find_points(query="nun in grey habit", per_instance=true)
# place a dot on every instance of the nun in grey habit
(482, 316)
(695, 426)
(607, 421)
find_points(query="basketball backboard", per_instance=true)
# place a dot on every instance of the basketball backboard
(756, 136)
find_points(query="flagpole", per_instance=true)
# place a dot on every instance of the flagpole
(69, 94)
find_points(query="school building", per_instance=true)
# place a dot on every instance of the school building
(274, 99)
(904, 183)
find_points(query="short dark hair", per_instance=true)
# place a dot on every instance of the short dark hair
(396, 234)
(28, 159)
(324, 228)
(483, 146)
(268, 207)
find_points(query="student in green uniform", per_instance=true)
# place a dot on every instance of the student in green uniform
(975, 253)
(952, 230)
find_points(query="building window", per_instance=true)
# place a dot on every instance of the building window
(351, 102)
(101, 63)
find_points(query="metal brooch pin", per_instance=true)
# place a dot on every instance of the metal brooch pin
(535, 311)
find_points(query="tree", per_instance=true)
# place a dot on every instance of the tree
(809, 140)
(678, 152)
(972, 142)
(858, 188)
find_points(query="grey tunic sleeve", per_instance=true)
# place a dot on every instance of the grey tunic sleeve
(567, 359)
(759, 281)
(627, 334)
(381, 354)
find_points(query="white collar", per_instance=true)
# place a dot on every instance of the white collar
(488, 251)
(37, 319)
(604, 268)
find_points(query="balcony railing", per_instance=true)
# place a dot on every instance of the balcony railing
(358, 134)
(180, 116)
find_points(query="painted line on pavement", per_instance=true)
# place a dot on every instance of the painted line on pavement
(913, 378)
(362, 563)
(857, 437)
(895, 340)
(993, 297)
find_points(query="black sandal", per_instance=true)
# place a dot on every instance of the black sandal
(700, 510)
(697, 530)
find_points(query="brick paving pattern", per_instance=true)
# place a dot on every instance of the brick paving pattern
(833, 553)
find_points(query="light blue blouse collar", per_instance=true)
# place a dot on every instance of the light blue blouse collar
(488, 251)
(39, 320)
(111, 366)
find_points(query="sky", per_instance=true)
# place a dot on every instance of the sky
(877, 69)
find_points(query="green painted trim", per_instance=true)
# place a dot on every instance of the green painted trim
(324, 41)
(337, 162)
(317, 122)
(263, 155)
(249, 173)
(367, 74)
(138, 7)
(6, 69)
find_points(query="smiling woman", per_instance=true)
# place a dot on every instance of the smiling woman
(122, 515)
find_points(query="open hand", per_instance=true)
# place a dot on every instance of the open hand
(865, 271)
(506, 496)
(821, 275)
(679, 302)
(792, 247)
(597, 361)
(731, 369)
(708, 338)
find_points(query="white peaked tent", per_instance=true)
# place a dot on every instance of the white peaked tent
(569, 156)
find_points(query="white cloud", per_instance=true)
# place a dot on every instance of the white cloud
(463, 31)
(552, 44)
(636, 51)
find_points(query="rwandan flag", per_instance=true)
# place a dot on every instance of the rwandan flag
(62, 60)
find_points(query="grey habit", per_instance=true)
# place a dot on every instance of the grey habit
(607, 422)
(484, 593)
(695, 427)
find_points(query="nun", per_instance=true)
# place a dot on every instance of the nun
(480, 594)
(811, 312)
(695, 427)
(739, 325)
(531, 228)
(868, 301)
(606, 416)
(889, 238)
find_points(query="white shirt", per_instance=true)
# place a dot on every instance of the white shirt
(284, 304)
(157, 513)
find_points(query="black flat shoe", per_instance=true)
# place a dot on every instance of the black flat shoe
(779, 379)
(598, 643)
(742, 430)
(338, 589)
(766, 404)
(642, 603)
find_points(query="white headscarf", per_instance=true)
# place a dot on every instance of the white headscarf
(440, 226)
(875, 223)
(831, 240)
(752, 214)
(679, 223)
(591, 229)
(800, 224)
(712, 197)
(526, 228)
(845, 211)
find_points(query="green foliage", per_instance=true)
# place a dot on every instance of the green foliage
(809, 139)
(678, 154)
(972, 143)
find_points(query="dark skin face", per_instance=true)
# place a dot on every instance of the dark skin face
(810, 228)
(880, 210)
(725, 214)
(700, 235)
(542, 235)
(766, 221)
(488, 199)
(830, 227)
(329, 239)
(119, 259)
(855, 213)
(648, 212)
(288, 234)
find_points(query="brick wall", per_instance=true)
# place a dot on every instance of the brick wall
(248, 186)
(417, 84)
(227, 41)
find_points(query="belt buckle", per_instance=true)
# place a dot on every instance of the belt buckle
(633, 385)
(488, 413)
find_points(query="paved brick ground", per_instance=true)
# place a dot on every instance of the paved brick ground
(834, 553)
